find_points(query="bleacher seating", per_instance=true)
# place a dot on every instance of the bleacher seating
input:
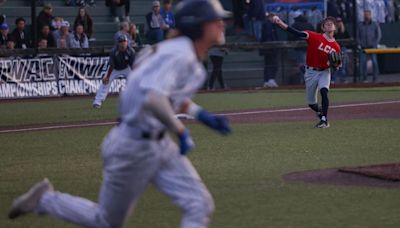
(241, 68)
(104, 27)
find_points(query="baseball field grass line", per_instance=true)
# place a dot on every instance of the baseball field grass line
(243, 173)
(108, 123)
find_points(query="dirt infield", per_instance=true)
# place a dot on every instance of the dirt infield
(372, 110)
(375, 110)
(335, 177)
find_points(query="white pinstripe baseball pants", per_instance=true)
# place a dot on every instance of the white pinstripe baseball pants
(103, 90)
(129, 166)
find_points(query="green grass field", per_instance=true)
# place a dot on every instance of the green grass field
(243, 172)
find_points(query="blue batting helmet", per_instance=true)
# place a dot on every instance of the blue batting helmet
(191, 14)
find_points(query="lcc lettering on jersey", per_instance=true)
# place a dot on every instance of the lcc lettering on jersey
(326, 48)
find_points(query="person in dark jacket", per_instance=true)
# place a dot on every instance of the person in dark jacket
(20, 35)
(45, 17)
(86, 20)
(155, 24)
(269, 33)
(4, 35)
(301, 24)
(369, 36)
(341, 33)
(46, 34)
(256, 16)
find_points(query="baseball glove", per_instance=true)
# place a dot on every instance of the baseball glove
(335, 59)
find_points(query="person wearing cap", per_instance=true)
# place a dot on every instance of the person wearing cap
(21, 37)
(4, 35)
(139, 151)
(155, 24)
(45, 17)
(317, 75)
(121, 64)
(62, 36)
(123, 30)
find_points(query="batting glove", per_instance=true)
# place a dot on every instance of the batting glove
(218, 123)
(185, 142)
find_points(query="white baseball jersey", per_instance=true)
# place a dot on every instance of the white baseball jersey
(132, 162)
(171, 68)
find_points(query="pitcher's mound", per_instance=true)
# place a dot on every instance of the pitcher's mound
(389, 172)
(385, 175)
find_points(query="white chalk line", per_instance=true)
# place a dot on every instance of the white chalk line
(306, 109)
(55, 127)
(107, 123)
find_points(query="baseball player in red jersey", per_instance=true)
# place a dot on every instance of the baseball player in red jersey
(318, 69)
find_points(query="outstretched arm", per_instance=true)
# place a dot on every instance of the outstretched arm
(276, 20)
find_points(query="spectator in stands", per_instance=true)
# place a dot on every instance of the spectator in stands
(42, 43)
(113, 4)
(301, 24)
(86, 20)
(155, 24)
(238, 9)
(46, 34)
(167, 14)
(62, 36)
(45, 17)
(10, 43)
(134, 35)
(390, 18)
(396, 10)
(79, 39)
(79, 2)
(332, 8)
(315, 17)
(256, 16)
(123, 30)
(20, 36)
(217, 59)
(369, 36)
(4, 35)
(56, 23)
(341, 33)
(269, 33)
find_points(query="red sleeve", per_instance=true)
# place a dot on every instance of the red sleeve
(310, 34)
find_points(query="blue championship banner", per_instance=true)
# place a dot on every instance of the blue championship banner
(51, 76)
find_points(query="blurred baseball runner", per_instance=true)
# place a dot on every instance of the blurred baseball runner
(121, 62)
(322, 55)
(138, 152)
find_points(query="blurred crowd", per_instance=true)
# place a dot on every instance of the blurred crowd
(56, 32)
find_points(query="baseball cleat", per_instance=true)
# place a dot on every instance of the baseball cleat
(271, 83)
(96, 106)
(29, 201)
(322, 124)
